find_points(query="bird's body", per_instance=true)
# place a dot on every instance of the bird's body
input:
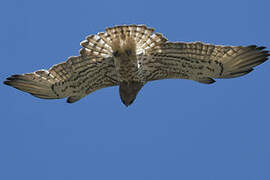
(129, 57)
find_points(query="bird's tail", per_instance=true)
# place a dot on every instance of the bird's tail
(104, 43)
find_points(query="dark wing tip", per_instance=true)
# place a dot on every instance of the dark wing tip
(258, 48)
(7, 83)
(261, 47)
(13, 79)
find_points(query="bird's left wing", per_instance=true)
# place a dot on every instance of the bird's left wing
(75, 78)
(201, 62)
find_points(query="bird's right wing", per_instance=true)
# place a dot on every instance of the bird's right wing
(202, 62)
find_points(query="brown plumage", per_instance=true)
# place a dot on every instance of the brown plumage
(129, 57)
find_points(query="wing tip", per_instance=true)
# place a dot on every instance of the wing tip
(7, 83)
(10, 80)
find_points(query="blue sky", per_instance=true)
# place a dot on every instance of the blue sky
(176, 129)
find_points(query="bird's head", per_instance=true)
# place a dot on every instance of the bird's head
(128, 91)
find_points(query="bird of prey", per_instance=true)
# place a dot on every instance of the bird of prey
(129, 56)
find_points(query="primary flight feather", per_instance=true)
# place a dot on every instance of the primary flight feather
(131, 55)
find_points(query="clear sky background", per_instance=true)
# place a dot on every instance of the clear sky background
(176, 129)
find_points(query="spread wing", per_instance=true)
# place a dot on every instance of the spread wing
(202, 62)
(75, 78)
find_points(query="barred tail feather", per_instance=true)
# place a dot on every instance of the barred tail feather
(104, 44)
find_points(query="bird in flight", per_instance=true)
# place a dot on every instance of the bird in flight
(129, 56)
